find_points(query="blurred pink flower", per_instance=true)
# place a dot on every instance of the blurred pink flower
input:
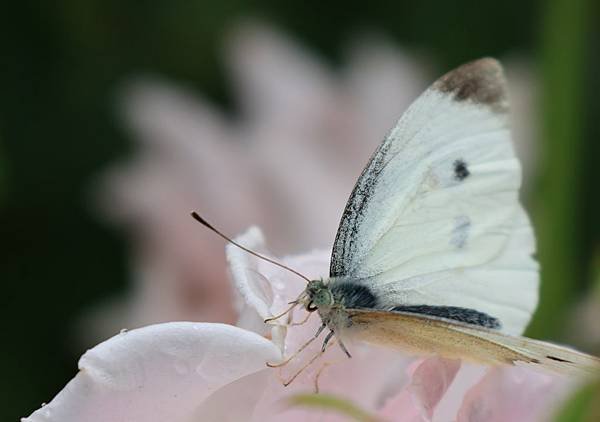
(287, 162)
(185, 371)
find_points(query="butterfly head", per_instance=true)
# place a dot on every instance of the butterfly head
(317, 296)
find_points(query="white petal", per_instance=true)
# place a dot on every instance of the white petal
(162, 372)
(248, 393)
(168, 117)
(254, 289)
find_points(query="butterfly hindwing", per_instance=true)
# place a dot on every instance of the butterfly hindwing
(421, 334)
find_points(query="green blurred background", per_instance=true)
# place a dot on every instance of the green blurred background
(62, 62)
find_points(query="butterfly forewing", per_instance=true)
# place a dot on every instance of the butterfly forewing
(435, 218)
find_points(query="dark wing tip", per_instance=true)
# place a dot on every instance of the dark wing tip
(481, 81)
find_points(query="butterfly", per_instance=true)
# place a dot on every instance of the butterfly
(434, 252)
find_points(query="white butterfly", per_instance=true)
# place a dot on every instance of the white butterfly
(433, 254)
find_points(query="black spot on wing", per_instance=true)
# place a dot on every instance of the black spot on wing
(461, 171)
(353, 295)
(466, 315)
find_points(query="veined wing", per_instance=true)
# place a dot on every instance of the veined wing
(435, 219)
(421, 334)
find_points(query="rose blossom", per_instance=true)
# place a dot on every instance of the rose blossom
(184, 371)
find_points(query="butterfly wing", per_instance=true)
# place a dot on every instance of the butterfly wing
(435, 218)
(421, 334)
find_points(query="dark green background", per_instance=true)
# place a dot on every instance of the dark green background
(61, 63)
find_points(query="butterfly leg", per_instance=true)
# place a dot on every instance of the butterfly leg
(275, 317)
(344, 349)
(319, 372)
(310, 362)
(297, 352)
(329, 336)
(306, 318)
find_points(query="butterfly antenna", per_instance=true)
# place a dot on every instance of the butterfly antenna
(251, 252)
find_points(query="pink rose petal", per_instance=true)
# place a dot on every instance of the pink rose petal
(512, 394)
(158, 373)
(429, 380)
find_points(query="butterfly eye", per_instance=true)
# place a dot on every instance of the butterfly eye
(311, 307)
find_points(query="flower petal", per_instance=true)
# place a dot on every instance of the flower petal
(157, 373)
(512, 394)
(429, 380)
(279, 82)
(383, 80)
(247, 391)
(265, 289)
(254, 289)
